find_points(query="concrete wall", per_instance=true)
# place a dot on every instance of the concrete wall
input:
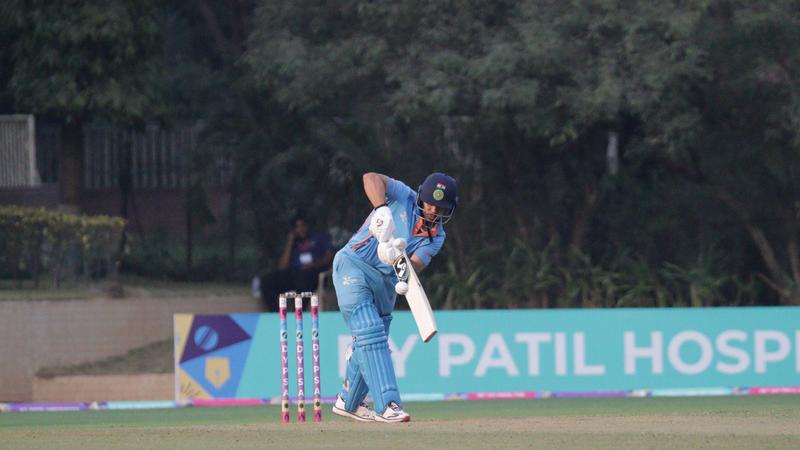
(37, 334)
(93, 388)
(45, 195)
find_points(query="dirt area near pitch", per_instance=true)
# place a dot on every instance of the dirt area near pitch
(712, 425)
(626, 424)
(661, 423)
(618, 432)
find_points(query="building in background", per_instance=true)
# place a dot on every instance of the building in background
(140, 175)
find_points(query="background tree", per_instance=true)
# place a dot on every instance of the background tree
(570, 124)
(610, 152)
(719, 116)
(74, 60)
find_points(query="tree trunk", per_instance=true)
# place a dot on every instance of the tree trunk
(189, 232)
(71, 167)
(794, 258)
(779, 275)
(125, 187)
(233, 207)
(582, 218)
(36, 255)
(125, 174)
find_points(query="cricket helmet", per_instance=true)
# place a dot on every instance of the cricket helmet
(440, 190)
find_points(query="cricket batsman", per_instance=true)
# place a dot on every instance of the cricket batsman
(401, 219)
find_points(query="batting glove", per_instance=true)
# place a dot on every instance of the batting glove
(382, 225)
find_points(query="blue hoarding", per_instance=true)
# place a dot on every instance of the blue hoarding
(587, 350)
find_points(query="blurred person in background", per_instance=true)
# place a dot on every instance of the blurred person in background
(306, 254)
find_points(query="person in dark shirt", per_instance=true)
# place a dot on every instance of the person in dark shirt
(305, 255)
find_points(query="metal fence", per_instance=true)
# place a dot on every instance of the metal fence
(157, 158)
(18, 151)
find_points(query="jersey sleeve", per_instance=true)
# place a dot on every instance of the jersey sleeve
(426, 252)
(397, 190)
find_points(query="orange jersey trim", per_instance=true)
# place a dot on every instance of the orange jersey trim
(418, 231)
(360, 243)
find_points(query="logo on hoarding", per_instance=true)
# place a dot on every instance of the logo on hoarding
(206, 338)
(218, 371)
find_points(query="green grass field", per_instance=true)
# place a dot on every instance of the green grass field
(675, 423)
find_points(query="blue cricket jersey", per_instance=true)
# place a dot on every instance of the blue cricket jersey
(402, 201)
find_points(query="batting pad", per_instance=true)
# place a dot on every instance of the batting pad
(371, 352)
(355, 387)
(355, 390)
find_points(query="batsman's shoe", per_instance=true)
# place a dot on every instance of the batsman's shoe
(394, 413)
(362, 414)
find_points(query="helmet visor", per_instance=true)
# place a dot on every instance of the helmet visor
(438, 215)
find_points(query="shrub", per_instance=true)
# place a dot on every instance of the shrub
(36, 240)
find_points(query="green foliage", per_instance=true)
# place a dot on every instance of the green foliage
(522, 276)
(73, 58)
(157, 256)
(520, 100)
(36, 239)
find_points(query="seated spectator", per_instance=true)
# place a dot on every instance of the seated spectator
(305, 255)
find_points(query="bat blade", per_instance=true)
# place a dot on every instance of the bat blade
(417, 298)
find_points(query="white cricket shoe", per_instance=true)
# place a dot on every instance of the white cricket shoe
(362, 414)
(394, 413)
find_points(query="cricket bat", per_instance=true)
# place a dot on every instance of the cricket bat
(416, 297)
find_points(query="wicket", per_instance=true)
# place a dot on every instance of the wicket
(283, 300)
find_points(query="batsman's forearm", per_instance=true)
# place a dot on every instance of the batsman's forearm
(417, 263)
(375, 188)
